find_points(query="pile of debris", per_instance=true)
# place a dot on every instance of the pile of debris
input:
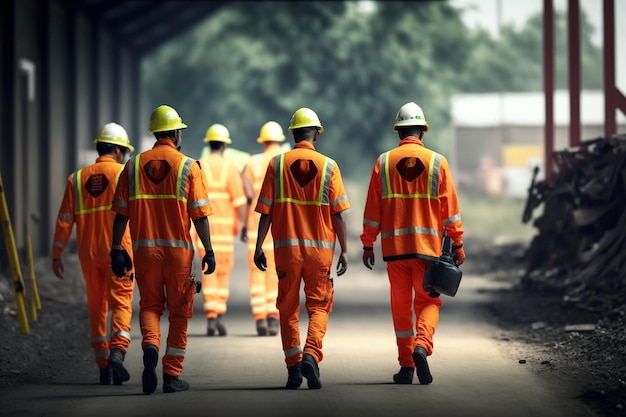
(579, 250)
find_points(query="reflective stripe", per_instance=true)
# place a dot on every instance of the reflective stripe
(121, 333)
(404, 333)
(120, 203)
(181, 181)
(58, 244)
(200, 203)
(410, 230)
(151, 243)
(304, 242)
(174, 351)
(292, 351)
(79, 207)
(279, 189)
(339, 200)
(96, 339)
(65, 217)
(450, 220)
(372, 223)
(219, 195)
(265, 201)
(434, 173)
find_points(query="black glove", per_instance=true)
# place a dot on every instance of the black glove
(120, 259)
(244, 234)
(208, 262)
(259, 260)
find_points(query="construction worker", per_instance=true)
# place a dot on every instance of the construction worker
(302, 199)
(87, 202)
(159, 193)
(410, 201)
(229, 211)
(263, 284)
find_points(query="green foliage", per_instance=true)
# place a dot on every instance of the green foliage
(252, 62)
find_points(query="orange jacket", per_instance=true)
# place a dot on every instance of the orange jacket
(411, 198)
(226, 194)
(87, 202)
(302, 189)
(161, 191)
(254, 171)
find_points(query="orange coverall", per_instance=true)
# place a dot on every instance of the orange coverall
(87, 202)
(302, 189)
(161, 191)
(410, 200)
(263, 285)
(226, 194)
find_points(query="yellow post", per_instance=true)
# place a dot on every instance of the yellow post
(34, 301)
(18, 282)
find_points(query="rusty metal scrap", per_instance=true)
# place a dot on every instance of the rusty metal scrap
(581, 241)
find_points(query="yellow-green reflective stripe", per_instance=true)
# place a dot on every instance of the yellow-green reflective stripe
(181, 182)
(279, 191)
(79, 207)
(433, 179)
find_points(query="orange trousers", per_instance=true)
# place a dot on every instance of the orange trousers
(263, 287)
(164, 279)
(106, 291)
(409, 298)
(215, 286)
(319, 295)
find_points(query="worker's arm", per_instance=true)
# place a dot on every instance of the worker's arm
(204, 233)
(119, 227)
(264, 227)
(340, 228)
(120, 259)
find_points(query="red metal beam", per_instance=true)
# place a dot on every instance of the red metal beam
(573, 58)
(548, 85)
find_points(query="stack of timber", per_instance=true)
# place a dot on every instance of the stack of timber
(580, 248)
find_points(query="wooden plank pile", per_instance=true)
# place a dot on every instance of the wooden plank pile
(580, 248)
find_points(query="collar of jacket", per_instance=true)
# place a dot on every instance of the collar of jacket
(105, 158)
(304, 144)
(411, 139)
(165, 142)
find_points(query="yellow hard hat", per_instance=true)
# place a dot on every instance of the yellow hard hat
(305, 117)
(115, 135)
(271, 132)
(164, 118)
(217, 133)
(410, 115)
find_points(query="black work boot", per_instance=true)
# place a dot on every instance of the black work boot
(211, 327)
(221, 329)
(116, 362)
(294, 380)
(105, 376)
(261, 327)
(404, 376)
(421, 365)
(273, 326)
(311, 371)
(149, 376)
(173, 383)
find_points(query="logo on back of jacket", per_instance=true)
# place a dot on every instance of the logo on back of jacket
(157, 170)
(97, 184)
(410, 168)
(304, 171)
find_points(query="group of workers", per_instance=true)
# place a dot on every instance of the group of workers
(134, 222)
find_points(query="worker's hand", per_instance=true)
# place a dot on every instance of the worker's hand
(342, 264)
(208, 262)
(120, 259)
(259, 259)
(459, 255)
(57, 268)
(243, 236)
(368, 257)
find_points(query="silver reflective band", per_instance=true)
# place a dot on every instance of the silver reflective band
(403, 334)
(174, 351)
(200, 203)
(65, 217)
(410, 230)
(151, 243)
(372, 223)
(452, 219)
(121, 333)
(304, 242)
(292, 351)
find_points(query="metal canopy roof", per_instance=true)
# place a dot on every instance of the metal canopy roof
(145, 24)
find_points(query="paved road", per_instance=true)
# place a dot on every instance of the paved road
(244, 375)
